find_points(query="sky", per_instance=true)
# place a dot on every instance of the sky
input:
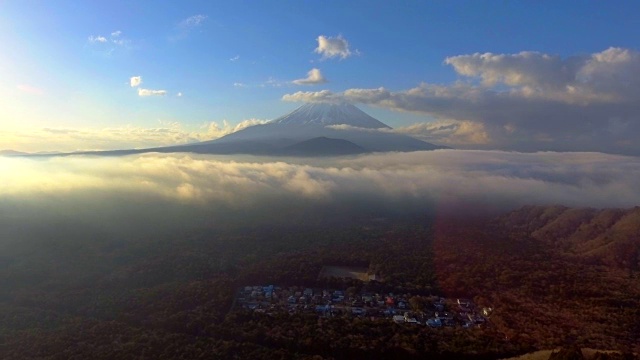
(524, 76)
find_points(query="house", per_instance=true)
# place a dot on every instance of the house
(291, 299)
(390, 311)
(444, 315)
(409, 319)
(449, 322)
(358, 311)
(390, 301)
(398, 319)
(434, 323)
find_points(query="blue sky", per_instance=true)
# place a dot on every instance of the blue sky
(67, 65)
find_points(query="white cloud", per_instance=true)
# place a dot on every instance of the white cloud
(186, 26)
(401, 180)
(97, 39)
(607, 76)
(249, 122)
(106, 43)
(179, 94)
(331, 47)
(214, 129)
(311, 96)
(235, 58)
(193, 21)
(148, 92)
(270, 82)
(314, 77)
(135, 81)
(459, 134)
(527, 101)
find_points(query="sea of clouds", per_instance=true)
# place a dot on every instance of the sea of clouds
(150, 193)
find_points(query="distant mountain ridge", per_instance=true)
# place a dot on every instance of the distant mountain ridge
(315, 120)
(309, 130)
(9, 152)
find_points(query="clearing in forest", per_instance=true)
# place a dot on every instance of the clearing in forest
(350, 272)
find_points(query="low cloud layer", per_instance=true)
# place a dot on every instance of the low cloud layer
(527, 101)
(121, 198)
(444, 176)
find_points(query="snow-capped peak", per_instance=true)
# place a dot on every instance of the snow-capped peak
(324, 114)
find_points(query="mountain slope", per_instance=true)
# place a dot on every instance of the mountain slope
(611, 236)
(322, 146)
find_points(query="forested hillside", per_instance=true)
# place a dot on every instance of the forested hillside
(608, 236)
(172, 297)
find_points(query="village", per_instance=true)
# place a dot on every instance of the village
(432, 311)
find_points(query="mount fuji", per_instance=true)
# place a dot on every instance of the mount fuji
(316, 129)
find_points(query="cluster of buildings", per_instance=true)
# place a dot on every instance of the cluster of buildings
(402, 309)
